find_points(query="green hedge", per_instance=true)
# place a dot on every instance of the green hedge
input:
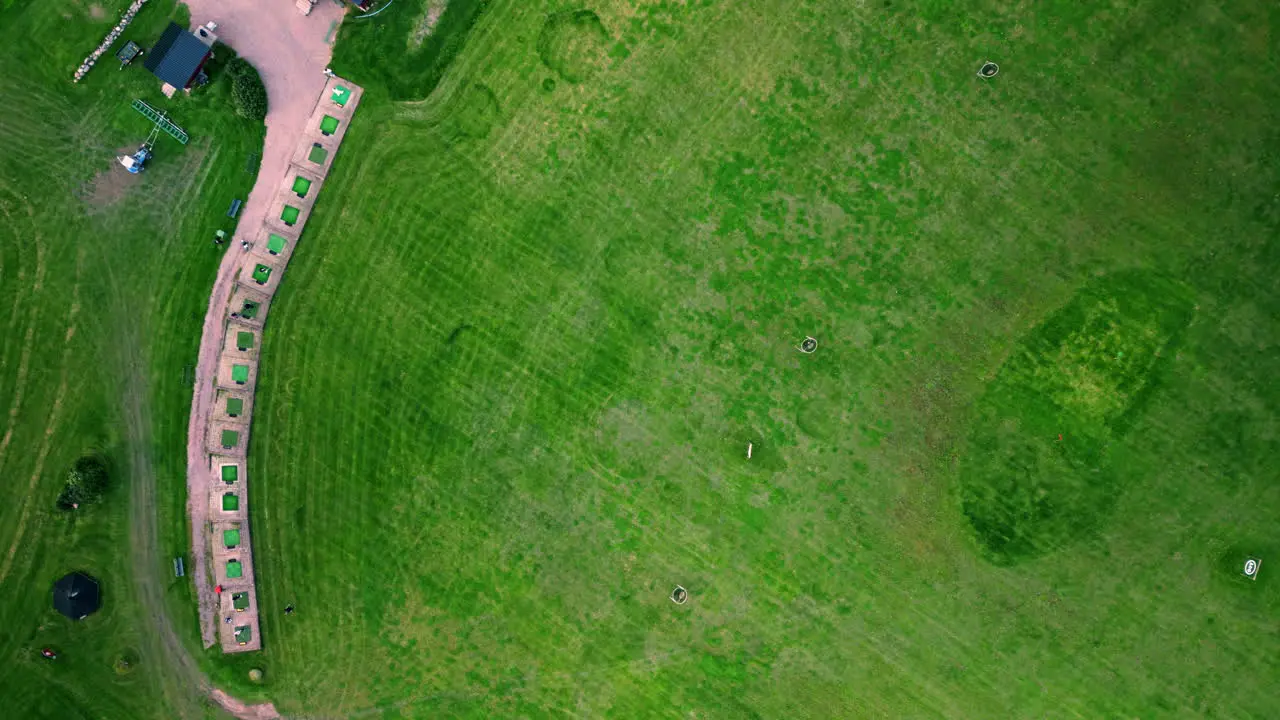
(248, 94)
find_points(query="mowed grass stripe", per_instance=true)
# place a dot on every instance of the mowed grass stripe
(344, 504)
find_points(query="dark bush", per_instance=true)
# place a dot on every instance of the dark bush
(237, 66)
(248, 94)
(87, 480)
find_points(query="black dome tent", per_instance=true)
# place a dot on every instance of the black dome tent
(76, 595)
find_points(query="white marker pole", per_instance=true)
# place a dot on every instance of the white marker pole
(748, 451)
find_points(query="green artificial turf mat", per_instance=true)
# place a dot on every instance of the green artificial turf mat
(244, 634)
(240, 374)
(275, 244)
(230, 438)
(250, 309)
(234, 569)
(317, 154)
(290, 214)
(229, 472)
(328, 125)
(261, 273)
(230, 538)
(230, 502)
(234, 406)
(341, 94)
(240, 600)
(244, 340)
(301, 185)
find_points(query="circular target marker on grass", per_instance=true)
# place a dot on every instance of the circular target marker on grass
(1251, 567)
(679, 596)
(988, 70)
(808, 346)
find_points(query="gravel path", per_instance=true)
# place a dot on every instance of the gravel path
(291, 53)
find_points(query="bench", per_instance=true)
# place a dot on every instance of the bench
(235, 208)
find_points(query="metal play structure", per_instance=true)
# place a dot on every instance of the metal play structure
(136, 162)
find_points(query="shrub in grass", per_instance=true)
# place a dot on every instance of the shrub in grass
(125, 662)
(256, 675)
(237, 65)
(87, 480)
(248, 94)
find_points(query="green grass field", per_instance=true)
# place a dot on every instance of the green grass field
(598, 244)
(1018, 477)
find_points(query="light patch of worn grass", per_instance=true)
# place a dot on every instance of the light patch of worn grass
(430, 16)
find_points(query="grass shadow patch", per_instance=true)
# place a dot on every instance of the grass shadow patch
(574, 44)
(1036, 476)
(477, 111)
(820, 418)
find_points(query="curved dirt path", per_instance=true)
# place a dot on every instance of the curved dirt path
(291, 53)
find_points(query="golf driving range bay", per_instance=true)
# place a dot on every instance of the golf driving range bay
(1003, 346)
